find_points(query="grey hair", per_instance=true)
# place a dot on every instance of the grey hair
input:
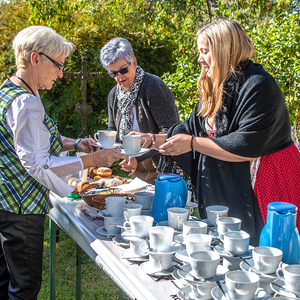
(115, 49)
(39, 39)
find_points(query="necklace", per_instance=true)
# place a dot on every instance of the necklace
(25, 84)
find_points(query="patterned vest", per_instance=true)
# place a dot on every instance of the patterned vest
(19, 192)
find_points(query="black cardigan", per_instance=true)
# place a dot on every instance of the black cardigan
(155, 108)
(252, 122)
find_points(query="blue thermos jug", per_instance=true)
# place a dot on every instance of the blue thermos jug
(170, 191)
(281, 232)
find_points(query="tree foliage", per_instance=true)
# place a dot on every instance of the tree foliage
(163, 35)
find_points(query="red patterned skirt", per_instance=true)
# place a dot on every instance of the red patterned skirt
(276, 177)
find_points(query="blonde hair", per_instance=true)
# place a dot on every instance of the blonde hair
(39, 39)
(228, 45)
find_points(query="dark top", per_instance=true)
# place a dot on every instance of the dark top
(155, 109)
(252, 122)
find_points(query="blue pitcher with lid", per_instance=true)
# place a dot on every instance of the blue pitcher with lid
(170, 191)
(281, 232)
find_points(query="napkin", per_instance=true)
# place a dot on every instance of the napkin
(135, 185)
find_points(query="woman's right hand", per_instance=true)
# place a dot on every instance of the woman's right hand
(106, 157)
(103, 158)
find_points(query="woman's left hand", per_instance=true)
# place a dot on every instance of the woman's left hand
(129, 165)
(86, 145)
(176, 145)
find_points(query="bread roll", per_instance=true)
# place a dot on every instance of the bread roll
(80, 186)
(104, 172)
(91, 173)
(113, 182)
(72, 181)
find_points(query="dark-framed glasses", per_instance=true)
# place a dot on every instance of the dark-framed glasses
(60, 66)
(122, 71)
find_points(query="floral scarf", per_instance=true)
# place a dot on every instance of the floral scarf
(126, 102)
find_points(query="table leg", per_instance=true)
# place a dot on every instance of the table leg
(52, 240)
(121, 294)
(78, 262)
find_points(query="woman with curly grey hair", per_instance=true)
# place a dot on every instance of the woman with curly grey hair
(30, 160)
(139, 102)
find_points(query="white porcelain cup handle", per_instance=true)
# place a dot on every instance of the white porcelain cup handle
(144, 142)
(96, 136)
(127, 225)
(279, 271)
(126, 216)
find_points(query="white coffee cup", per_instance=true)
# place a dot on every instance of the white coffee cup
(114, 206)
(266, 259)
(135, 247)
(214, 212)
(192, 227)
(236, 242)
(160, 261)
(201, 291)
(132, 143)
(131, 209)
(110, 227)
(189, 197)
(231, 262)
(197, 242)
(241, 285)
(204, 264)
(161, 238)
(291, 274)
(106, 138)
(144, 198)
(139, 225)
(177, 216)
(225, 224)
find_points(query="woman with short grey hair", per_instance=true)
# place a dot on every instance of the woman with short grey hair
(139, 102)
(30, 160)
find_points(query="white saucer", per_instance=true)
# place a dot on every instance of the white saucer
(128, 235)
(179, 239)
(182, 256)
(280, 291)
(127, 254)
(215, 235)
(208, 224)
(163, 223)
(102, 231)
(174, 248)
(220, 250)
(187, 293)
(191, 205)
(121, 242)
(247, 268)
(141, 152)
(146, 267)
(217, 294)
(104, 212)
(220, 275)
(166, 223)
(115, 145)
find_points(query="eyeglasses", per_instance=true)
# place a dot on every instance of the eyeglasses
(121, 71)
(60, 66)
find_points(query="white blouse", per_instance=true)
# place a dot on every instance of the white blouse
(32, 142)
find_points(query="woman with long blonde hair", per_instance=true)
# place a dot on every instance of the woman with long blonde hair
(236, 145)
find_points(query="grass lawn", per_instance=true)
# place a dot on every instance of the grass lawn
(95, 284)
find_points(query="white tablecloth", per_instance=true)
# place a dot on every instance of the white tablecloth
(106, 254)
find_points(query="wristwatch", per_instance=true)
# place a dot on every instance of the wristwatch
(76, 144)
